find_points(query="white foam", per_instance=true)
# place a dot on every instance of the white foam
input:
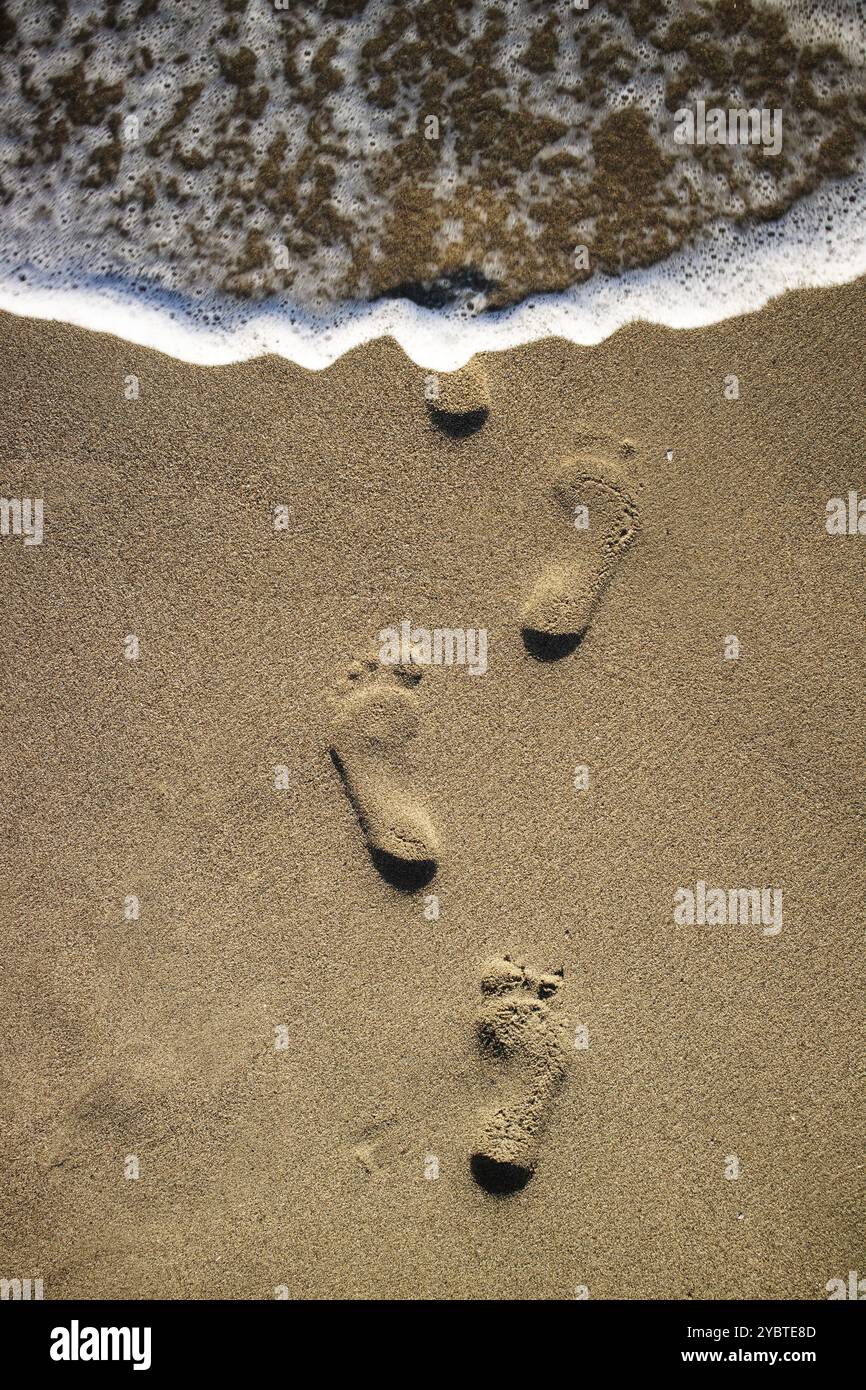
(74, 252)
(819, 242)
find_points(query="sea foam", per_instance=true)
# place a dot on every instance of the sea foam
(164, 232)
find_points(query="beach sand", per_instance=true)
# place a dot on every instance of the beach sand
(283, 1040)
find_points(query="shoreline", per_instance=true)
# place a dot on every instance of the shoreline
(735, 274)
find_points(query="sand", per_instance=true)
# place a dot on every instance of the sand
(285, 1045)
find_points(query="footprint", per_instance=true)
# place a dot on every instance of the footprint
(460, 404)
(519, 1035)
(379, 1148)
(376, 719)
(590, 488)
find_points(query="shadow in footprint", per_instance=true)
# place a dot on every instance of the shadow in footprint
(377, 717)
(499, 1179)
(522, 1042)
(592, 493)
(458, 424)
(406, 875)
(459, 405)
(550, 646)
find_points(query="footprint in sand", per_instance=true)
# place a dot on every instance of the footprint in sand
(460, 402)
(525, 1042)
(376, 719)
(591, 491)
